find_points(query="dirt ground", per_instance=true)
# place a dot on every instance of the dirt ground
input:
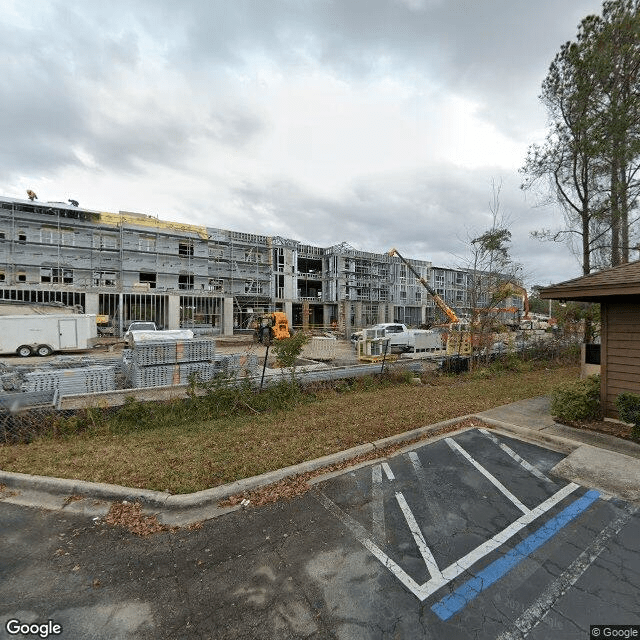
(109, 347)
(617, 429)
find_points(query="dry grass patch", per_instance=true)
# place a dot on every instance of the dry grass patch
(197, 455)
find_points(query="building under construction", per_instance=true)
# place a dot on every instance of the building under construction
(130, 266)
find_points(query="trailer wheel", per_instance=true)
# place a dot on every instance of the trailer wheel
(44, 350)
(24, 351)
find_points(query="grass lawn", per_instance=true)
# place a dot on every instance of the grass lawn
(193, 455)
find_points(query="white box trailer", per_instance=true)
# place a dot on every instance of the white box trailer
(42, 335)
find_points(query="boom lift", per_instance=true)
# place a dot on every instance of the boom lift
(442, 305)
(458, 337)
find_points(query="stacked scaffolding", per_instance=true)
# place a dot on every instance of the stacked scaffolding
(167, 362)
(71, 381)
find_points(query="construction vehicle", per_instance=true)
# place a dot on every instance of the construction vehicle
(502, 292)
(441, 304)
(271, 326)
(458, 337)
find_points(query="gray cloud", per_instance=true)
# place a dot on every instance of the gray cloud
(74, 77)
(427, 217)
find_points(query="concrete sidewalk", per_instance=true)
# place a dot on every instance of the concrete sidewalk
(534, 415)
(596, 460)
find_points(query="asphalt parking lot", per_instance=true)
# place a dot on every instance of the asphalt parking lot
(469, 536)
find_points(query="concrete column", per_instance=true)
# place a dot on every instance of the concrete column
(173, 311)
(381, 312)
(305, 315)
(328, 313)
(91, 303)
(358, 318)
(227, 316)
(288, 310)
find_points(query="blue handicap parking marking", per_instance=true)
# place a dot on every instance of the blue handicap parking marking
(438, 513)
(456, 601)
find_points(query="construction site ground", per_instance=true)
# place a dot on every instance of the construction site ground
(108, 347)
(509, 526)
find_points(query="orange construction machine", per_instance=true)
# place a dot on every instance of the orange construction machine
(270, 327)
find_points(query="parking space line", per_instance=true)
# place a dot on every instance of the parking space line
(422, 592)
(377, 504)
(361, 535)
(425, 552)
(548, 598)
(388, 472)
(508, 450)
(430, 501)
(456, 601)
(456, 447)
(466, 562)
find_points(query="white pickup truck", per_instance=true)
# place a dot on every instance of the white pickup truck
(405, 339)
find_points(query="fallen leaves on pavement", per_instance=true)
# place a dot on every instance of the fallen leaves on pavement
(293, 486)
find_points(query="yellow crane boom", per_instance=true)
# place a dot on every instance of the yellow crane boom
(441, 304)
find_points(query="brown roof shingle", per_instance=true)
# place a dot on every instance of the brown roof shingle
(623, 280)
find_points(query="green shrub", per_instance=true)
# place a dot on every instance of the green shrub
(288, 350)
(577, 401)
(628, 405)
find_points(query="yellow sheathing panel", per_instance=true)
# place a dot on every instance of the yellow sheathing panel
(150, 222)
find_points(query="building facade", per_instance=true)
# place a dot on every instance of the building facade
(131, 266)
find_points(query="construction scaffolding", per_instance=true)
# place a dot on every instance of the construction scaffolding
(131, 266)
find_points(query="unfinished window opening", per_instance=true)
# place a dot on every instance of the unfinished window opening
(105, 241)
(309, 265)
(56, 275)
(185, 281)
(251, 286)
(278, 259)
(2, 276)
(104, 279)
(147, 243)
(149, 278)
(215, 285)
(280, 287)
(21, 276)
(185, 248)
(22, 237)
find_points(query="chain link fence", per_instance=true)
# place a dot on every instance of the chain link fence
(249, 381)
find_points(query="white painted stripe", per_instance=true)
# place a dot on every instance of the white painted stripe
(377, 504)
(388, 472)
(422, 592)
(508, 450)
(361, 535)
(547, 599)
(425, 552)
(431, 503)
(456, 447)
(458, 567)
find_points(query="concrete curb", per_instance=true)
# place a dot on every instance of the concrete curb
(50, 493)
(160, 500)
(533, 436)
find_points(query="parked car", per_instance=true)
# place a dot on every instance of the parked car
(139, 325)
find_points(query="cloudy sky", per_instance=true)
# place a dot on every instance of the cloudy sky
(377, 122)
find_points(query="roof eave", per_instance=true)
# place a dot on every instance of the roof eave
(589, 294)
